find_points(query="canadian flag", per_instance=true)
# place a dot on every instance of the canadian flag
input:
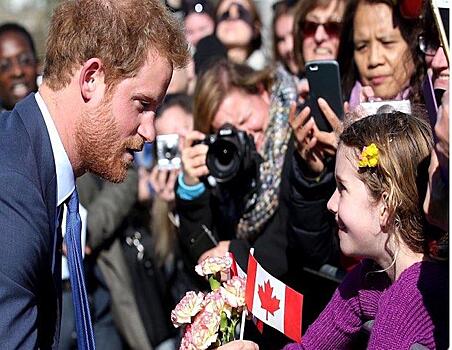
(236, 270)
(272, 301)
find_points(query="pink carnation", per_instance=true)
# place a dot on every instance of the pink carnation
(233, 291)
(204, 330)
(215, 303)
(186, 342)
(188, 307)
(214, 264)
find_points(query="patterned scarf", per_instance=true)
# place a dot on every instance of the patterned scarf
(263, 204)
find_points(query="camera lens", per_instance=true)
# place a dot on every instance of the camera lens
(170, 152)
(223, 159)
(225, 153)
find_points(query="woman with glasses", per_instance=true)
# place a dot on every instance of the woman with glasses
(317, 30)
(239, 30)
(312, 231)
(432, 52)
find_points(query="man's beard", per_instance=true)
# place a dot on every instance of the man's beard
(100, 147)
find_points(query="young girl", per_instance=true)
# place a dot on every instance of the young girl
(381, 174)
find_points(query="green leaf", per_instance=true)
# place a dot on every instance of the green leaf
(223, 322)
(214, 283)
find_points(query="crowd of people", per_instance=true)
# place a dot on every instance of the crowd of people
(185, 139)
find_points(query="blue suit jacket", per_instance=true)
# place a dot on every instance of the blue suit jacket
(30, 258)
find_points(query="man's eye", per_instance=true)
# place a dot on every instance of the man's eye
(144, 106)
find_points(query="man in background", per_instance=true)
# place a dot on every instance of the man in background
(18, 64)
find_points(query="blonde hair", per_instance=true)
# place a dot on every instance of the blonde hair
(163, 231)
(400, 178)
(119, 32)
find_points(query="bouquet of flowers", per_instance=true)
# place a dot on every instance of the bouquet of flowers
(210, 319)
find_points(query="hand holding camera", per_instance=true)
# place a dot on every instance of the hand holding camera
(194, 158)
(229, 155)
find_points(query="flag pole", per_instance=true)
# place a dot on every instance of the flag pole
(242, 325)
(245, 312)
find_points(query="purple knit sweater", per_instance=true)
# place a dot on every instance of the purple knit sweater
(414, 309)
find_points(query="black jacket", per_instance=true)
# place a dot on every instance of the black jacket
(218, 212)
(301, 229)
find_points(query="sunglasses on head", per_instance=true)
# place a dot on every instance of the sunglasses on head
(332, 28)
(243, 14)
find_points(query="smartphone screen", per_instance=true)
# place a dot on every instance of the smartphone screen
(168, 153)
(324, 81)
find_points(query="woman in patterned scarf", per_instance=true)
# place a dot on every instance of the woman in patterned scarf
(238, 216)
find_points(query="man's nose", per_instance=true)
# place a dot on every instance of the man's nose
(147, 128)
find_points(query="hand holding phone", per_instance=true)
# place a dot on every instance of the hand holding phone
(324, 82)
(163, 182)
(314, 145)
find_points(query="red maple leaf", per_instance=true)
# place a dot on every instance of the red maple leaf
(268, 303)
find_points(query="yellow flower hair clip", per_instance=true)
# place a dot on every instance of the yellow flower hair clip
(369, 156)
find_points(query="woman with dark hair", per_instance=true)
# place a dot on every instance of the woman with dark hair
(239, 30)
(283, 40)
(383, 63)
(199, 20)
(317, 29)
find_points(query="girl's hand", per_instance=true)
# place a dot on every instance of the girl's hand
(194, 158)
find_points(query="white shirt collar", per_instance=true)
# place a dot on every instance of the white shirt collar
(63, 167)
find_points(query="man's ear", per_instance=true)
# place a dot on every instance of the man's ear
(384, 211)
(92, 79)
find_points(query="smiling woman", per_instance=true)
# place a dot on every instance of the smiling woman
(18, 64)
(317, 29)
(378, 48)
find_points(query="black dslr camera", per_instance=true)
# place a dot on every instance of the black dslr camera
(232, 155)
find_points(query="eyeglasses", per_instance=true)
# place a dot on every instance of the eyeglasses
(243, 14)
(427, 48)
(25, 59)
(332, 28)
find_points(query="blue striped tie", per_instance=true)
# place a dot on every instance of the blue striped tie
(85, 336)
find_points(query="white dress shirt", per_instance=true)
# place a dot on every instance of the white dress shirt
(65, 177)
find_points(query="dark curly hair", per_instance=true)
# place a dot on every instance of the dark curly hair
(409, 29)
